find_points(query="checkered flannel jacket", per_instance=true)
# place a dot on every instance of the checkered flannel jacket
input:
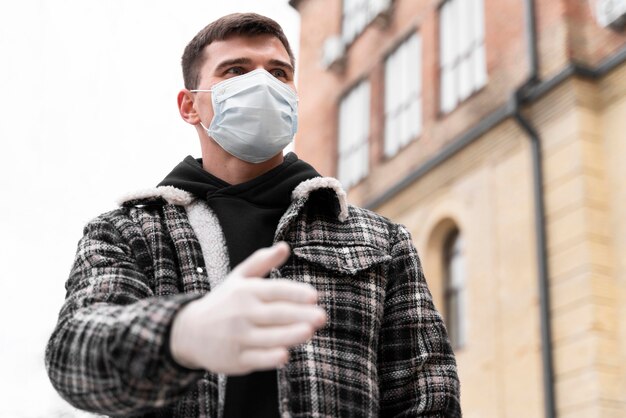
(384, 351)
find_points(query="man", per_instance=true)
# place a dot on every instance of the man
(168, 311)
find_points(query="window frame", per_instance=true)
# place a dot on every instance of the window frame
(414, 31)
(368, 139)
(455, 293)
(369, 18)
(459, 59)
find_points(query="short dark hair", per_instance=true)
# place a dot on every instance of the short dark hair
(235, 24)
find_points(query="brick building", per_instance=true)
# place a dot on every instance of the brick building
(495, 130)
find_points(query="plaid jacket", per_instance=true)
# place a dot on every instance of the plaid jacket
(384, 351)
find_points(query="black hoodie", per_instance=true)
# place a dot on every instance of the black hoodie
(248, 214)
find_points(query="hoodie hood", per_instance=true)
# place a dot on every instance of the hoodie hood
(271, 189)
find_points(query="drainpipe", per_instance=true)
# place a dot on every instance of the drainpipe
(519, 98)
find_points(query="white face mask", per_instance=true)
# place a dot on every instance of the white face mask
(255, 115)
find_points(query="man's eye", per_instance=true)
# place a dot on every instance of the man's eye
(235, 71)
(279, 73)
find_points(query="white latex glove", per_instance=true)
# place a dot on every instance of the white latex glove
(248, 323)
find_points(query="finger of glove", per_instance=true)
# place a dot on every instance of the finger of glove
(280, 336)
(283, 290)
(285, 313)
(263, 261)
(255, 359)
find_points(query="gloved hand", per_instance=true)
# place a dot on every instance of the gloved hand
(247, 323)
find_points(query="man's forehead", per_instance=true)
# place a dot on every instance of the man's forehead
(266, 47)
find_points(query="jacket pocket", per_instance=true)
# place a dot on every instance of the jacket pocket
(349, 260)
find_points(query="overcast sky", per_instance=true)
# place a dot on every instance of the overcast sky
(88, 112)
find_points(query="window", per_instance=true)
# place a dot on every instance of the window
(462, 51)
(403, 101)
(455, 292)
(357, 14)
(354, 124)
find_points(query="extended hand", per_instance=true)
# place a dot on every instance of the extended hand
(248, 323)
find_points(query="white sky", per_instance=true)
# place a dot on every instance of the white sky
(87, 113)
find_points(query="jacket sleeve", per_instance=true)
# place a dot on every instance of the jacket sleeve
(109, 351)
(417, 368)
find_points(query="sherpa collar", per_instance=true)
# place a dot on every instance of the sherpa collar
(169, 194)
(304, 189)
(175, 196)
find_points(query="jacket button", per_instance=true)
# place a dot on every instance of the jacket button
(199, 269)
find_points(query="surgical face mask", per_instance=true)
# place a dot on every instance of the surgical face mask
(255, 115)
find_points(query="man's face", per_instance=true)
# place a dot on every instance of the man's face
(236, 56)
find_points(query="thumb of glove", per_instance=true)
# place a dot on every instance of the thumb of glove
(262, 261)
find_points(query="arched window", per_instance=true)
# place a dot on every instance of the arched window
(455, 289)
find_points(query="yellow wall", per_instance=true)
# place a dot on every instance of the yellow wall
(581, 124)
(613, 101)
(486, 191)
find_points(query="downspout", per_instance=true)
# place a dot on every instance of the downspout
(518, 99)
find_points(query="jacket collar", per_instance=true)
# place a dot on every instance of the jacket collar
(304, 190)
(169, 194)
(175, 196)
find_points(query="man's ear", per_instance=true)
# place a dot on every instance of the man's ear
(186, 108)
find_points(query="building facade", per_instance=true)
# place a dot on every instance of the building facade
(495, 130)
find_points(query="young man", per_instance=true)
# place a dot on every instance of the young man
(168, 311)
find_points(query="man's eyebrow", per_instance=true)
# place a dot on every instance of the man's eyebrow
(247, 61)
(280, 63)
(235, 61)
